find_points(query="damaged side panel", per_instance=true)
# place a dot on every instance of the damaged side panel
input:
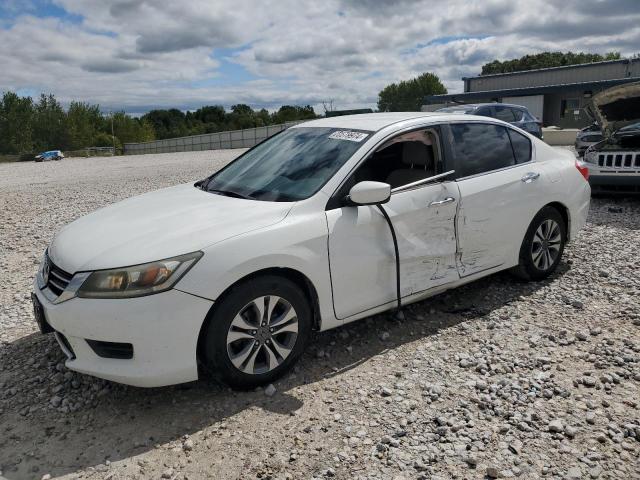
(361, 251)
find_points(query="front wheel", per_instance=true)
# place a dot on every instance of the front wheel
(542, 246)
(257, 332)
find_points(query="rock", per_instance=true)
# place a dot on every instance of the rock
(493, 472)
(270, 391)
(187, 446)
(168, 473)
(384, 336)
(555, 426)
(471, 460)
(582, 336)
(574, 473)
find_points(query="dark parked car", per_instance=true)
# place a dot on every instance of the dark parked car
(588, 136)
(514, 114)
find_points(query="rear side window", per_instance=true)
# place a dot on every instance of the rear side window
(517, 114)
(503, 113)
(479, 148)
(521, 146)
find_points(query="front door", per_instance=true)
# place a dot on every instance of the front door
(361, 251)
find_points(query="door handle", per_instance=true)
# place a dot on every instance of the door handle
(442, 202)
(530, 177)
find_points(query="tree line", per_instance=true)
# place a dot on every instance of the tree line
(210, 119)
(545, 60)
(30, 126)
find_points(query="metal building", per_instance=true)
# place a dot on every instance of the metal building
(557, 95)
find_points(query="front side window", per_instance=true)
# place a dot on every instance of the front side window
(290, 166)
(404, 159)
(479, 148)
(401, 160)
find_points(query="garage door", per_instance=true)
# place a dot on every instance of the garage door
(533, 102)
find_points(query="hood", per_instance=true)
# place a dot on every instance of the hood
(158, 225)
(617, 106)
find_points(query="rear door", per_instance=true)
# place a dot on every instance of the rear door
(498, 193)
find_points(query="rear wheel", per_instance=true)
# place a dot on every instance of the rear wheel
(543, 245)
(257, 332)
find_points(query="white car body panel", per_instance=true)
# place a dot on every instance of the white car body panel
(346, 254)
(158, 225)
(163, 328)
(362, 254)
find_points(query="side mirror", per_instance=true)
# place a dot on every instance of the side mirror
(369, 193)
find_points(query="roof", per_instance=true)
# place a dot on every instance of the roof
(562, 67)
(484, 104)
(367, 121)
(508, 92)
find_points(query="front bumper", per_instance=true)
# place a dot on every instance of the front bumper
(162, 328)
(608, 180)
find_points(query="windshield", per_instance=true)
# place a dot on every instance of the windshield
(634, 127)
(290, 166)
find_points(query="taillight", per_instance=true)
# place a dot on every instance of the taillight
(583, 170)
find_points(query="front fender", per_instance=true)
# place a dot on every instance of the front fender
(298, 243)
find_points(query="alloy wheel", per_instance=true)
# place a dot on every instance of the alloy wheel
(262, 335)
(546, 244)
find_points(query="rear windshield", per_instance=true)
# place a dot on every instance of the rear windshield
(290, 166)
(456, 110)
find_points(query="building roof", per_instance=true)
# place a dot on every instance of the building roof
(513, 92)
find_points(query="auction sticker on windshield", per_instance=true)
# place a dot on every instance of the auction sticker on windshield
(348, 135)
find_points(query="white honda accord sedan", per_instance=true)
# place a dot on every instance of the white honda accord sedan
(325, 223)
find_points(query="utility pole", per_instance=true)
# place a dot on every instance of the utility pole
(113, 137)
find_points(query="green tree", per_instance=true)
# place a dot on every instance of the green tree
(291, 113)
(128, 129)
(83, 122)
(16, 124)
(167, 123)
(408, 95)
(49, 125)
(545, 60)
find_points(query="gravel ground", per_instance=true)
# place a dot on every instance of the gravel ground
(497, 379)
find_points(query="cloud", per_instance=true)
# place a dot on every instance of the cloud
(139, 54)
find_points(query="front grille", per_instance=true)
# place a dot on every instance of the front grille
(619, 160)
(58, 278)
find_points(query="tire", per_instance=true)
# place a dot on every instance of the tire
(542, 246)
(245, 353)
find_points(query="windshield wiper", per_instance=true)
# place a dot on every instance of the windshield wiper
(229, 193)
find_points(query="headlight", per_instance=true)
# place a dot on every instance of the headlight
(139, 280)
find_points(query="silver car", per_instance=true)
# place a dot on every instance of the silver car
(614, 163)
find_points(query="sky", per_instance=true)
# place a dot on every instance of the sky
(136, 55)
